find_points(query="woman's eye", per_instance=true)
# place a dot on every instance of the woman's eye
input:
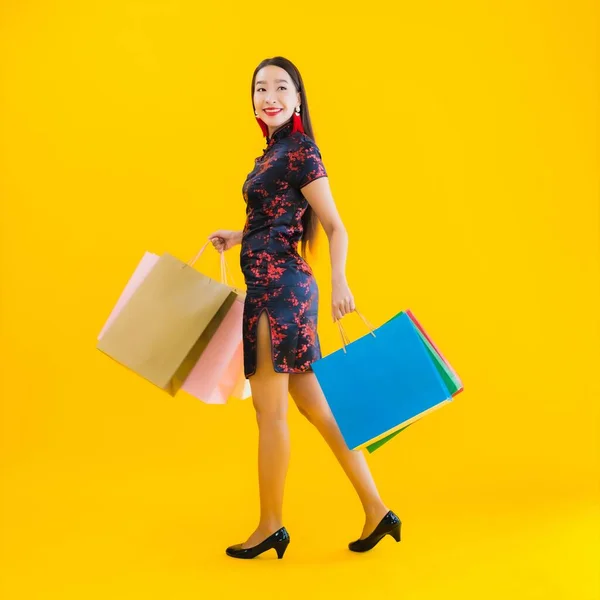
(261, 89)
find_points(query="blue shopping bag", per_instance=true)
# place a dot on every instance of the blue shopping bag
(381, 382)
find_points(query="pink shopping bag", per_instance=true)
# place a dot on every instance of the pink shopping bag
(219, 372)
(144, 267)
(452, 373)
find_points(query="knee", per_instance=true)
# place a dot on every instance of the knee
(271, 419)
(270, 412)
(304, 412)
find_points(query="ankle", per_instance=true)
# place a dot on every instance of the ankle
(375, 510)
(269, 527)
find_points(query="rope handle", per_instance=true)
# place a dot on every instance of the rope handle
(225, 272)
(345, 338)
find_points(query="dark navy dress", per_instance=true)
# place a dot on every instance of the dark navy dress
(278, 279)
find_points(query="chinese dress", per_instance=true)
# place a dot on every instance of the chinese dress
(279, 281)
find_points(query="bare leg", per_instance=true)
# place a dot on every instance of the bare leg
(310, 400)
(270, 399)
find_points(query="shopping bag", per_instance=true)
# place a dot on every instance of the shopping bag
(242, 390)
(381, 382)
(448, 374)
(161, 330)
(144, 267)
(225, 347)
(220, 368)
(219, 373)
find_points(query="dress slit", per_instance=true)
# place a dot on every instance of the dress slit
(255, 336)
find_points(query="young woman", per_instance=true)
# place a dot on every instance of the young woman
(286, 191)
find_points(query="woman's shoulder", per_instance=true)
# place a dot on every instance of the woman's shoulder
(300, 141)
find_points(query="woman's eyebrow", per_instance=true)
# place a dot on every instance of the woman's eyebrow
(276, 81)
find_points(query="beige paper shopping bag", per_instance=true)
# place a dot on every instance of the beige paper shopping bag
(162, 330)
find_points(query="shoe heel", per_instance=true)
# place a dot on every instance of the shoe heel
(281, 547)
(395, 533)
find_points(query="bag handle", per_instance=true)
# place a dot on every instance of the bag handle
(191, 262)
(225, 272)
(345, 337)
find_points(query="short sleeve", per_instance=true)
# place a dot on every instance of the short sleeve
(306, 163)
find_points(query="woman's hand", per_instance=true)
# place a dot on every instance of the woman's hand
(342, 301)
(225, 239)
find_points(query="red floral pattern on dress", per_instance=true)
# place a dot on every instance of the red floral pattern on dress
(279, 281)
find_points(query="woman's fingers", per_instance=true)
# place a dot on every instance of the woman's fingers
(343, 308)
(221, 244)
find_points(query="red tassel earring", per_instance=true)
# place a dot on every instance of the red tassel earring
(262, 124)
(297, 121)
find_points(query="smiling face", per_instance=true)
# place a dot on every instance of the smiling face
(274, 89)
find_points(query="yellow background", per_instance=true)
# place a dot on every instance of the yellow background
(460, 140)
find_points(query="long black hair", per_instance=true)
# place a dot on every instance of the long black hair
(309, 218)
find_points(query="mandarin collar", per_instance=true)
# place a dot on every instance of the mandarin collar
(282, 132)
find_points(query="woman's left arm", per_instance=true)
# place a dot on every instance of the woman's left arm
(319, 196)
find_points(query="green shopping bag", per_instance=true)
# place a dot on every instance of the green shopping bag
(450, 377)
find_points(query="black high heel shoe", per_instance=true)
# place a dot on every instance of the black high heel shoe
(390, 524)
(279, 541)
